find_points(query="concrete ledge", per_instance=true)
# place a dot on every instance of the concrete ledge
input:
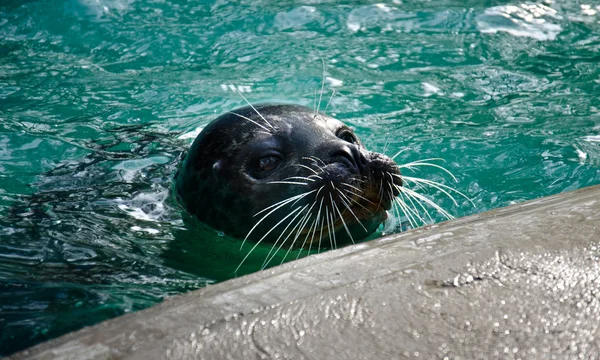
(516, 282)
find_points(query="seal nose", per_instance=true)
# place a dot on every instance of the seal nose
(361, 160)
(351, 157)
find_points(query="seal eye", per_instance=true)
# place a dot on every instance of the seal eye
(268, 163)
(347, 136)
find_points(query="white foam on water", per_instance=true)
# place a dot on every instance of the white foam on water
(102, 8)
(582, 155)
(131, 168)
(148, 230)
(587, 10)
(296, 18)
(524, 20)
(429, 89)
(334, 82)
(145, 206)
(138, 164)
(592, 138)
(380, 15)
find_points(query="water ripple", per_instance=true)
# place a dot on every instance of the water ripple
(528, 20)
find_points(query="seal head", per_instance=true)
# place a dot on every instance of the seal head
(285, 174)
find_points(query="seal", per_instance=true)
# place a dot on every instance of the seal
(286, 175)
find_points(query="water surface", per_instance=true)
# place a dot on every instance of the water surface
(100, 98)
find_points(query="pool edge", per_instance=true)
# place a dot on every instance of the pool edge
(184, 326)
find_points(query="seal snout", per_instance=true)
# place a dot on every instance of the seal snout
(352, 158)
(383, 183)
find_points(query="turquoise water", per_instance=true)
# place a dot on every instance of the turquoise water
(100, 98)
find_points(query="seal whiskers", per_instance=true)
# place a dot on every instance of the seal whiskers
(316, 159)
(277, 207)
(353, 187)
(264, 236)
(406, 210)
(341, 218)
(347, 205)
(423, 162)
(299, 178)
(329, 101)
(428, 201)
(398, 153)
(305, 220)
(309, 168)
(410, 199)
(414, 205)
(287, 182)
(311, 230)
(252, 106)
(268, 258)
(330, 229)
(440, 187)
(302, 224)
(320, 223)
(252, 121)
(322, 88)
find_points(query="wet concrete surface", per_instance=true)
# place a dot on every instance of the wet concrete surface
(521, 282)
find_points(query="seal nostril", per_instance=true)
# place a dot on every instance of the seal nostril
(360, 159)
(346, 157)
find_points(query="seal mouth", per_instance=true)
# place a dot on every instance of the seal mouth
(350, 204)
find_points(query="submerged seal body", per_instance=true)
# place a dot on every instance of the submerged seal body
(286, 174)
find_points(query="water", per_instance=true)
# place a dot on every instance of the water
(100, 98)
